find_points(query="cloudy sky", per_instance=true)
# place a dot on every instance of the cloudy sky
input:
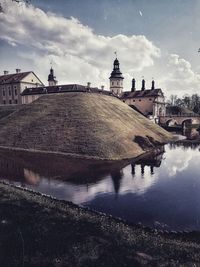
(153, 38)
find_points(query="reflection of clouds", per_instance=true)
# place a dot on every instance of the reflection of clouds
(138, 184)
(177, 160)
(75, 193)
(130, 179)
(78, 194)
(31, 177)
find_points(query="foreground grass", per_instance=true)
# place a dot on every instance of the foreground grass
(36, 230)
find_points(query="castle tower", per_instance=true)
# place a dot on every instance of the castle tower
(116, 79)
(51, 78)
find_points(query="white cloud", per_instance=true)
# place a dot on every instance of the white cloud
(79, 54)
(179, 77)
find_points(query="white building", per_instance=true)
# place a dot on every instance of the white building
(150, 102)
(12, 85)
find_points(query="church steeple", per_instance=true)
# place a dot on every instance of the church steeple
(51, 78)
(116, 78)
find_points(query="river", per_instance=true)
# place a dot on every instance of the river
(160, 191)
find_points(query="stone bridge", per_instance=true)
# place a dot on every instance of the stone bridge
(179, 120)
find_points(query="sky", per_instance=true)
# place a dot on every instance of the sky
(153, 38)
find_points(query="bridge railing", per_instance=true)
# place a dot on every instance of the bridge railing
(180, 115)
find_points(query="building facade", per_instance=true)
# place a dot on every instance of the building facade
(150, 102)
(12, 85)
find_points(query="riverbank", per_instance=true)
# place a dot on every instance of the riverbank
(40, 231)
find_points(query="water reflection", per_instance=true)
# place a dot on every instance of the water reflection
(190, 133)
(159, 190)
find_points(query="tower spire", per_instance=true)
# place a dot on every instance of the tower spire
(51, 78)
(116, 78)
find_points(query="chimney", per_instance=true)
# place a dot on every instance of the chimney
(133, 86)
(153, 85)
(5, 72)
(143, 85)
(18, 70)
(102, 87)
(88, 85)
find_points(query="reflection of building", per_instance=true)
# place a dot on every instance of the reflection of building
(12, 85)
(153, 161)
(116, 176)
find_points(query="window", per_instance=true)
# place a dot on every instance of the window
(139, 99)
(133, 100)
(15, 91)
(149, 99)
(9, 92)
(112, 83)
(10, 101)
(117, 83)
(4, 102)
(16, 101)
(4, 93)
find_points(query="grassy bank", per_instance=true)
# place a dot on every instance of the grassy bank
(39, 231)
(82, 125)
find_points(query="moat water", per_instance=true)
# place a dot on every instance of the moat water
(160, 191)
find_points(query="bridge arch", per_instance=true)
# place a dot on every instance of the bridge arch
(186, 123)
(171, 122)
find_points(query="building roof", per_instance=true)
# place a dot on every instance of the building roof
(15, 77)
(62, 89)
(116, 73)
(140, 93)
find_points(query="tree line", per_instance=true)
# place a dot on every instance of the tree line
(190, 102)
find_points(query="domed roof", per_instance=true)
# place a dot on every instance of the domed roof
(116, 73)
